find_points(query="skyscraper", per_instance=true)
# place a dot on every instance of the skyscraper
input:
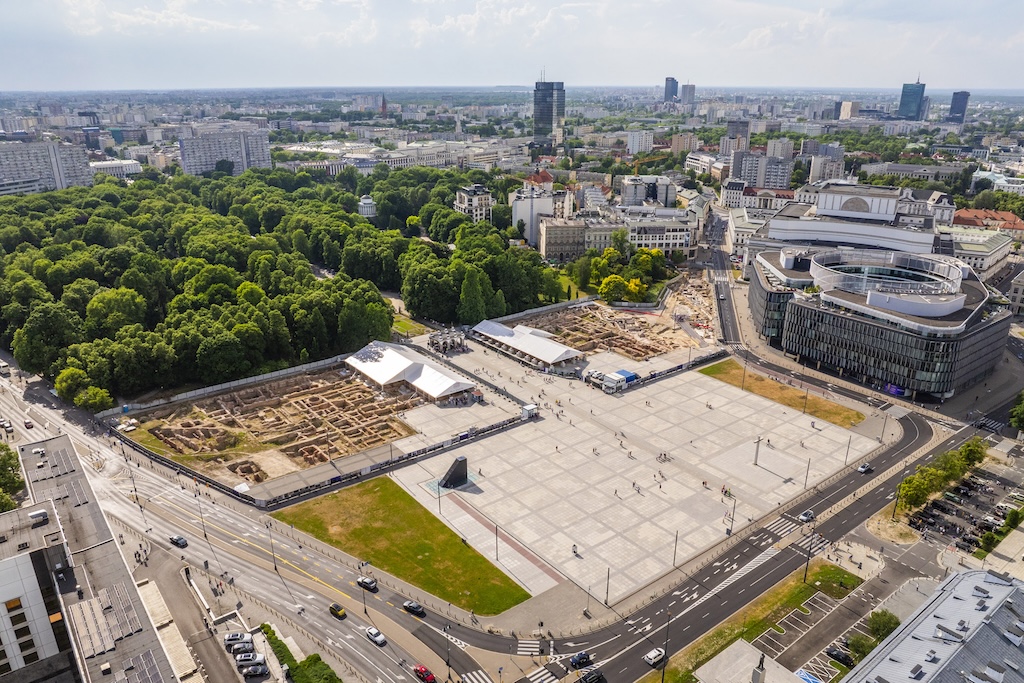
(671, 89)
(548, 112)
(912, 102)
(958, 107)
(687, 93)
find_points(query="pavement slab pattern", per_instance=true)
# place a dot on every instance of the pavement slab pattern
(588, 474)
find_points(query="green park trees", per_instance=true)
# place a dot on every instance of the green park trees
(915, 489)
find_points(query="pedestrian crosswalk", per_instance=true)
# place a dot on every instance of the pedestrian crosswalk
(542, 675)
(478, 676)
(528, 647)
(814, 543)
(781, 527)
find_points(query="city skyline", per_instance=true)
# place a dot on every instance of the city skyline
(175, 44)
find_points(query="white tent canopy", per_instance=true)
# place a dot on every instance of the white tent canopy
(529, 341)
(385, 364)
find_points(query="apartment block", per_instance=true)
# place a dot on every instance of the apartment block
(27, 167)
(245, 149)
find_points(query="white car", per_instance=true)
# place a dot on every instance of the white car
(806, 516)
(376, 637)
(865, 468)
(248, 659)
(654, 656)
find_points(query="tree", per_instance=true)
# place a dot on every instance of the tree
(94, 399)
(6, 502)
(988, 541)
(49, 331)
(10, 471)
(70, 382)
(636, 291)
(582, 267)
(472, 309)
(861, 646)
(112, 309)
(1017, 414)
(985, 200)
(881, 623)
(225, 166)
(613, 288)
(1013, 519)
(914, 491)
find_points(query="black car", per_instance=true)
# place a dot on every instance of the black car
(592, 676)
(965, 546)
(840, 656)
(580, 660)
(179, 541)
(413, 607)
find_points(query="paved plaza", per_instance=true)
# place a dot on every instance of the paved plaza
(618, 477)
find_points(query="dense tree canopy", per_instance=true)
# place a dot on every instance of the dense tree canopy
(118, 289)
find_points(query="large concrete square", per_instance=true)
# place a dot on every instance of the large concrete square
(588, 474)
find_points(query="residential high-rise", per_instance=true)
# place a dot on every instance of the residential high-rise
(244, 149)
(849, 110)
(780, 147)
(761, 171)
(639, 141)
(684, 142)
(671, 89)
(912, 102)
(27, 167)
(548, 112)
(958, 106)
(687, 93)
(738, 128)
(825, 168)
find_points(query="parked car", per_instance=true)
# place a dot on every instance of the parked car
(232, 638)
(592, 676)
(580, 660)
(840, 656)
(242, 648)
(423, 673)
(806, 516)
(376, 637)
(655, 656)
(965, 546)
(413, 607)
(367, 582)
(179, 541)
(249, 658)
(255, 670)
(337, 611)
(864, 469)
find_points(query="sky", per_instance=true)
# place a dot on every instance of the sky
(173, 44)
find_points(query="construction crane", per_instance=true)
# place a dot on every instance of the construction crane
(645, 160)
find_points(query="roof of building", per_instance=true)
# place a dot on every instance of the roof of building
(528, 341)
(385, 364)
(756, 191)
(988, 218)
(540, 177)
(109, 624)
(970, 629)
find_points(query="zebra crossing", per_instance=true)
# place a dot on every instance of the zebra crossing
(528, 647)
(781, 527)
(478, 676)
(542, 675)
(813, 544)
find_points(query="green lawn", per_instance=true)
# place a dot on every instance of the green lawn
(408, 327)
(731, 372)
(757, 617)
(380, 523)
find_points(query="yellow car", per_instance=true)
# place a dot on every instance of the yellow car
(337, 611)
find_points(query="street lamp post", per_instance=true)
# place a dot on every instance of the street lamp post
(807, 565)
(896, 502)
(270, 530)
(447, 650)
(664, 665)
(732, 520)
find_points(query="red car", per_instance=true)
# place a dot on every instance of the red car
(423, 673)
